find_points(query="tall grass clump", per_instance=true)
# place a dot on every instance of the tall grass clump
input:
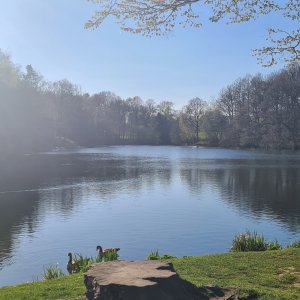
(107, 256)
(295, 244)
(83, 263)
(52, 272)
(274, 245)
(249, 241)
(153, 255)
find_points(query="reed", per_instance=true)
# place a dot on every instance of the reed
(249, 241)
(153, 255)
(295, 244)
(252, 241)
(107, 256)
(83, 262)
(52, 272)
(274, 245)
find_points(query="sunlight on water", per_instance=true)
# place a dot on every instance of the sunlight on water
(180, 200)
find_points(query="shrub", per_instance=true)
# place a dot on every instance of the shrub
(52, 272)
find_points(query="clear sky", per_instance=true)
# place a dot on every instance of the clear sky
(50, 35)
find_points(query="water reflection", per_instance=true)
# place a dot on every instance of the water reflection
(269, 191)
(18, 212)
(66, 186)
(35, 186)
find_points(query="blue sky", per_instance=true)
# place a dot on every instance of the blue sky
(50, 35)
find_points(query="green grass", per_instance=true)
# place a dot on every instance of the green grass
(67, 287)
(269, 275)
(52, 272)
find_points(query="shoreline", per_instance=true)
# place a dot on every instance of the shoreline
(265, 275)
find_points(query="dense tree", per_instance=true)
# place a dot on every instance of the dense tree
(214, 125)
(253, 111)
(25, 123)
(166, 124)
(283, 112)
(152, 17)
(191, 118)
(10, 74)
(263, 112)
(33, 78)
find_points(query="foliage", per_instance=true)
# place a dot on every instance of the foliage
(252, 112)
(152, 17)
(25, 121)
(167, 256)
(153, 255)
(274, 245)
(83, 262)
(52, 272)
(267, 275)
(252, 241)
(107, 256)
(191, 118)
(262, 112)
(249, 241)
(295, 244)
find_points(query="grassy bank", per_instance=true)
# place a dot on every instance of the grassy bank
(263, 275)
(269, 275)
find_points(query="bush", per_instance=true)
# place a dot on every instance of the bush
(52, 272)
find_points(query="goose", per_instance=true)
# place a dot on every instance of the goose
(72, 265)
(101, 251)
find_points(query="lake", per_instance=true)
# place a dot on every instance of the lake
(179, 200)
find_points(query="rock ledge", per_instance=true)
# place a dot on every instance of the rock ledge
(137, 280)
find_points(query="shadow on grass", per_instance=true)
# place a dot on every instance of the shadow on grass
(218, 293)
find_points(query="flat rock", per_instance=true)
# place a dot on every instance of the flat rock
(138, 280)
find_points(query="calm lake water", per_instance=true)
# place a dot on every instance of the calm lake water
(180, 200)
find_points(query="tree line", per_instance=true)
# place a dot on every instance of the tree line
(252, 112)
